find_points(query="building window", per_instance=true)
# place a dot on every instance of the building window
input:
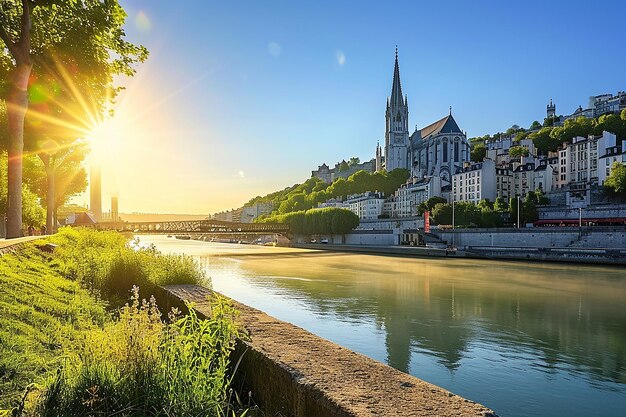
(445, 152)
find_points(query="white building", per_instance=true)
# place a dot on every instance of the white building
(545, 175)
(504, 183)
(610, 150)
(523, 179)
(410, 195)
(367, 206)
(250, 213)
(475, 182)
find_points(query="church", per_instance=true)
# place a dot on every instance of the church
(436, 150)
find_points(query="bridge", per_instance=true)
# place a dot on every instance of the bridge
(208, 227)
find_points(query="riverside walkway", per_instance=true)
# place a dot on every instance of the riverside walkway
(7, 243)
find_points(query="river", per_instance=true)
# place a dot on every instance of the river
(525, 339)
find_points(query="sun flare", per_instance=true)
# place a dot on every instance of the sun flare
(105, 141)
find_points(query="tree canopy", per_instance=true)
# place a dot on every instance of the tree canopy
(616, 181)
(314, 191)
(325, 221)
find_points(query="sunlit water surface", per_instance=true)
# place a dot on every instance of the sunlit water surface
(525, 339)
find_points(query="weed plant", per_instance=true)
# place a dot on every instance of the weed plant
(139, 366)
(109, 264)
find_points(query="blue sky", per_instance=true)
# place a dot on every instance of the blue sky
(257, 94)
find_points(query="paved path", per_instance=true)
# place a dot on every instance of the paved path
(6, 243)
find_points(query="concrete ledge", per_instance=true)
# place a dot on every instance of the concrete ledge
(292, 372)
(411, 251)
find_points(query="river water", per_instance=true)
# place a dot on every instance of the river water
(525, 339)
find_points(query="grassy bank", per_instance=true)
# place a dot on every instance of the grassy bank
(42, 316)
(61, 329)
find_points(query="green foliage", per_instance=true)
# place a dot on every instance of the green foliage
(429, 204)
(535, 125)
(517, 151)
(478, 153)
(616, 181)
(527, 206)
(106, 262)
(543, 141)
(137, 365)
(308, 195)
(43, 316)
(325, 221)
(500, 205)
(467, 214)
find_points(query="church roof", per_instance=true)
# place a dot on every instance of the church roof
(444, 125)
(396, 87)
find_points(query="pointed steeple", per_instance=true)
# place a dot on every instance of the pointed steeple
(396, 88)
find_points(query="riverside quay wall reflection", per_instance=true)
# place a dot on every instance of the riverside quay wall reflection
(571, 314)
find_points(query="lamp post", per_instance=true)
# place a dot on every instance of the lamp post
(518, 212)
(452, 221)
(580, 217)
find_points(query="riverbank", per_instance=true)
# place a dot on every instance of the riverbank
(75, 341)
(568, 255)
(313, 377)
(411, 251)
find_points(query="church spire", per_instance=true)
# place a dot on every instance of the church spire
(396, 88)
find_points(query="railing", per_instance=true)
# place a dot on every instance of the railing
(195, 226)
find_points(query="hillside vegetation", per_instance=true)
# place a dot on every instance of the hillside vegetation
(548, 137)
(302, 197)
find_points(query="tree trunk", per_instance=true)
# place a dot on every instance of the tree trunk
(17, 105)
(50, 200)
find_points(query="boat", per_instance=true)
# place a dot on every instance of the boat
(183, 237)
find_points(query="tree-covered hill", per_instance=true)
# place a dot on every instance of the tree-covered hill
(313, 191)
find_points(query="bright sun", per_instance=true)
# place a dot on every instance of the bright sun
(105, 141)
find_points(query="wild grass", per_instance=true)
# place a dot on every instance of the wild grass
(139, 366)
(110, 264)
(56, 332)
(42, 316)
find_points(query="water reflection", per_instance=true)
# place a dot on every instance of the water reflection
(570, 315)
(524, 339)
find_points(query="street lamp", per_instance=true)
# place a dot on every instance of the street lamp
(452, 221)
(580, 217)
(518, 212)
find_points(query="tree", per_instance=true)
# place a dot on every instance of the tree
(62, 32)
(501, 205)
(616, 181)
(354, 161)
(535, 125)
(429, 204)
(517, 151)
(543, 141)
(478, 153)
(623, 115)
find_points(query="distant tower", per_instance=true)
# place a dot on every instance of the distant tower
(115, 214)
(95, 192)
(397, 125)
(551, 110)
(379, 157)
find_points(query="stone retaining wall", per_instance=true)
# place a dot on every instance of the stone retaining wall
(292, 372)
